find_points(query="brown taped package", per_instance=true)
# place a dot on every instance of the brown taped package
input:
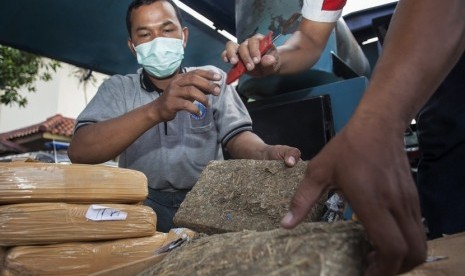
(2, 257)
(446, 254)
(26, 182)
(135, 267)
(86, 258)
(79, 258)
(50, 223)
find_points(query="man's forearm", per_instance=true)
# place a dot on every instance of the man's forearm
(247, 145)
(424, 41)
(303, 49)
(103, 141)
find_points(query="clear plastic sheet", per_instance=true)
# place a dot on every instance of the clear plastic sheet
(26, 182)
(50, 223)
(336, 205)
(86, 258)
(79, 258)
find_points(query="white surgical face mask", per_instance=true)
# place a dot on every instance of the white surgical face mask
(160, 57)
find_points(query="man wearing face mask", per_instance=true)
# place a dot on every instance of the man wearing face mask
(167, 121)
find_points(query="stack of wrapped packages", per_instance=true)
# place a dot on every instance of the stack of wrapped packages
(71, 219)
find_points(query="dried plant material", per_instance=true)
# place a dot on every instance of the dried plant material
(50, 223)
(310, 249)
(235, 195)
(27, 182)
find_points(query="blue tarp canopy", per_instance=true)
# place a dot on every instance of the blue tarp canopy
(92, 33)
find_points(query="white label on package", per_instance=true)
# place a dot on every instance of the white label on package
(99, 213)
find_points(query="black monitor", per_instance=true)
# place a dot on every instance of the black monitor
(381, 25)
(304, 123)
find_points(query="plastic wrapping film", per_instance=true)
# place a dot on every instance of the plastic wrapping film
(79, 258)
(50, 223)
(26, 182)
(85, 258)
(2, 258)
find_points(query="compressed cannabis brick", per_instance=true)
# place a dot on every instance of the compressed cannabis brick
(317, 248)
(234, 195)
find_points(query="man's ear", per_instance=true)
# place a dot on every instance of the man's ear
(131, 47)
(185, 32)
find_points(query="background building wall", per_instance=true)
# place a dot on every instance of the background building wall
(64, 95)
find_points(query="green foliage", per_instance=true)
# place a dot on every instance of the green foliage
(20, 69)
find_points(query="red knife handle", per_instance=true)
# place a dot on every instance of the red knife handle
(239, 69)
(265, 43)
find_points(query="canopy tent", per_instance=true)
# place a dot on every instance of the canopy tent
(92, 33)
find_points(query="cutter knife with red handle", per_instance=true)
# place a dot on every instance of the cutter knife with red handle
(239, 68)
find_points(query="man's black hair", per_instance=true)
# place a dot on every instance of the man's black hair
(137, 3)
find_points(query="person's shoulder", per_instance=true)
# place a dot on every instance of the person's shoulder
(205, 67)
(127, 77)
(328, 11)
(118, 80)
(118, 83)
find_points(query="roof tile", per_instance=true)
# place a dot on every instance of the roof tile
(56, 124)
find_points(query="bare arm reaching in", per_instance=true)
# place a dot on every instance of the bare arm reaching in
(366, 160)
(298, 53)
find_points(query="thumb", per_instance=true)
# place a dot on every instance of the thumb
(268, 60)
(305, 197)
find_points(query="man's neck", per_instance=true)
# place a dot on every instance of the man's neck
(161, 84)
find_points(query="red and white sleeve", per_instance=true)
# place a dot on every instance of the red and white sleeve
(323, 10)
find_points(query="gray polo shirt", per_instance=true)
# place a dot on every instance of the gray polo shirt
(173, 154)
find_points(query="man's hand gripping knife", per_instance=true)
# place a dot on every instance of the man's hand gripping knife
(239, 68)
